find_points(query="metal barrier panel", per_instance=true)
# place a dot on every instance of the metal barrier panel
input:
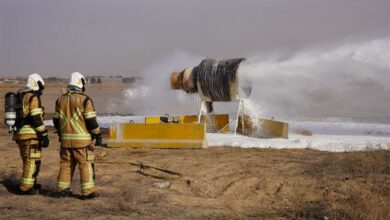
(262, 128)
(158, 136)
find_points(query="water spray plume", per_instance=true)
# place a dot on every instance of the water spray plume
(350, 81)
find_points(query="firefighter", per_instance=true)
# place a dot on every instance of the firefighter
(31, 134)
(75, 121)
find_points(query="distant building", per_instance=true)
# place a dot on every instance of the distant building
(130, 80)
(111, 80)
(53, 79)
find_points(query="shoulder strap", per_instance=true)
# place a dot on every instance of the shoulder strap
(86, 100)
(57, 103)
(39, 100)
(20, 96)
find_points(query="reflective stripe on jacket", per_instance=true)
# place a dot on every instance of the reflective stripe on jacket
(73, 110)
(32, 110)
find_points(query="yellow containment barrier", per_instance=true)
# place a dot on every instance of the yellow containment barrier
(262, 128)
(214, 123)
(157, 136)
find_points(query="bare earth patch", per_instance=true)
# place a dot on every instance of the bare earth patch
(217, 183)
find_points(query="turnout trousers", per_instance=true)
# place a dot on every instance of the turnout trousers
(83, 157)
(30, 153)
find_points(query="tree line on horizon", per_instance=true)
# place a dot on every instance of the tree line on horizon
(90, 79)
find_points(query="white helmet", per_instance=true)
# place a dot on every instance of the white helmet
(35, 82)
(77, 79)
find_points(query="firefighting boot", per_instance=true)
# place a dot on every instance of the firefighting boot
(28, 192)
(37, 186)
(61, 194)
(90, 196)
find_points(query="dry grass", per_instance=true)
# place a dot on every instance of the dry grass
(357, 184)
(225, 183)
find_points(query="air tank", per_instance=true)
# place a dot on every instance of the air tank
(10, 107)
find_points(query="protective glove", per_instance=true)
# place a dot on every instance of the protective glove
(44, 141)
(98, 140)
(59, 136)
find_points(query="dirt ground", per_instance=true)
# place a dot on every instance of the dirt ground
(217, 183)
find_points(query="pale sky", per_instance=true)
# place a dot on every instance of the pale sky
(112, 37)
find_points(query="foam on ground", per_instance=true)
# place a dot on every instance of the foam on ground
(331, 143)
(327, 136)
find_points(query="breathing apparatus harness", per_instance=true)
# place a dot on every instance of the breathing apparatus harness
(13, 106)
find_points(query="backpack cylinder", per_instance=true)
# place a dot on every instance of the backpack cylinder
(11, 106)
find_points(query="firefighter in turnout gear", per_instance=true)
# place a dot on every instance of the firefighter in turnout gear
(31, 134)
(75, 121)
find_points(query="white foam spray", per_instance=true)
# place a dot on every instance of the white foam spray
(154, 96)
(350, 81)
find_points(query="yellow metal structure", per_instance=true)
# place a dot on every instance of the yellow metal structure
(214, 123)
(263, 128)
(184, 135)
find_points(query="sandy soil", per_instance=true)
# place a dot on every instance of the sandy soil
(217, 183)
